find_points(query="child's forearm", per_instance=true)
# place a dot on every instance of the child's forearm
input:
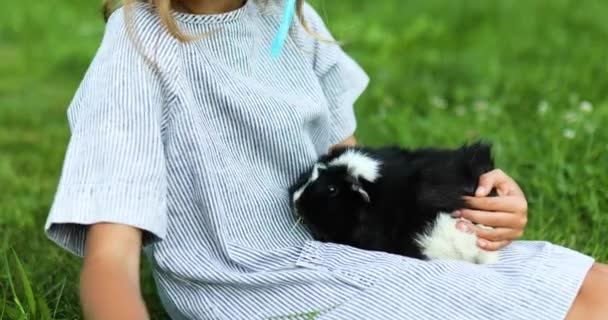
(109, 281)
(110, 292)
(350, 141)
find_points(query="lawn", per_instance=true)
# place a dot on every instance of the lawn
(530, 76)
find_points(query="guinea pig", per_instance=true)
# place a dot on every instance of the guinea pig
(395, 200)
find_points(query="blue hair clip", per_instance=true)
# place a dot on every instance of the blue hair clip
(281, 36)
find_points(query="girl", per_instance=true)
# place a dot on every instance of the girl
(187, 132)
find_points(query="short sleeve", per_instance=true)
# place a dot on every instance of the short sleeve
(341, 78)
(114, 168)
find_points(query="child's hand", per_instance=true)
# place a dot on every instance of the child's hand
(507, 213)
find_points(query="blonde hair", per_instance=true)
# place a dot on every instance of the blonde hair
(163, 9)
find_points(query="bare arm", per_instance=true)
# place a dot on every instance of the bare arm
(350, 141)
(109, 280)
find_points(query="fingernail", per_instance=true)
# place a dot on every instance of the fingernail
(480, 191)
(463, 227)
(456, 214)
(482, 243)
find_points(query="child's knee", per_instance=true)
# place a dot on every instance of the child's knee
(592, 300)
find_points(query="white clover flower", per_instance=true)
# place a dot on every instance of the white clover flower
(495, 110)
(586, 107)
(569, 133)
(439, 102)
(480, 106)
(388, 101)
(382, 114)
(570, 116)
(590, 128)
(460, 110)
(543, 107)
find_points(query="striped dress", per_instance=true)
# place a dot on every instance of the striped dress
(196, 145)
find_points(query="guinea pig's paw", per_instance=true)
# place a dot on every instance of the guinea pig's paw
(485, 257)
(444, 241)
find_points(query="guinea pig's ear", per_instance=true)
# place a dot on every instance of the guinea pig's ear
(359, 190)
(479, 158)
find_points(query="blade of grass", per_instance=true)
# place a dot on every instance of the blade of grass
(5, 243)
(312, 315)
(27, 287)
(10, 283)
(52, 289)
(308, 315)
(13, 313)
(59, 297)
(3, 301)
(304, 315)
(45, 312)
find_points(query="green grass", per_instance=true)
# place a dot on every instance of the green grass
(513, 72)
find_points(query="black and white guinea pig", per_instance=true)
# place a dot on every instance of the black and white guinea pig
(395, 200)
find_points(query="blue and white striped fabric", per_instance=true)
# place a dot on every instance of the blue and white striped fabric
(198, 149)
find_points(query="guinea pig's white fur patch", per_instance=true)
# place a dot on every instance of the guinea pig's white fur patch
(444, 241)
(359, 165)
(314, 176)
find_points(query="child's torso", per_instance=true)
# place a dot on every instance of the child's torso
(242, 127)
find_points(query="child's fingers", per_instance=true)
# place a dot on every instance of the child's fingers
(465, 226)
(498, 234)
(494, 219)
(489, 181)
(489, 239)
(492, 246)
(512, 204)
(497, 179)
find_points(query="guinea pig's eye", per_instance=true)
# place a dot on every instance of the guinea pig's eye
(333, 190)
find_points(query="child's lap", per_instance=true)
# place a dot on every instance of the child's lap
(533, 280)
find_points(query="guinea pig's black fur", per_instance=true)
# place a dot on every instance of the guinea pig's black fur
(386, 198)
